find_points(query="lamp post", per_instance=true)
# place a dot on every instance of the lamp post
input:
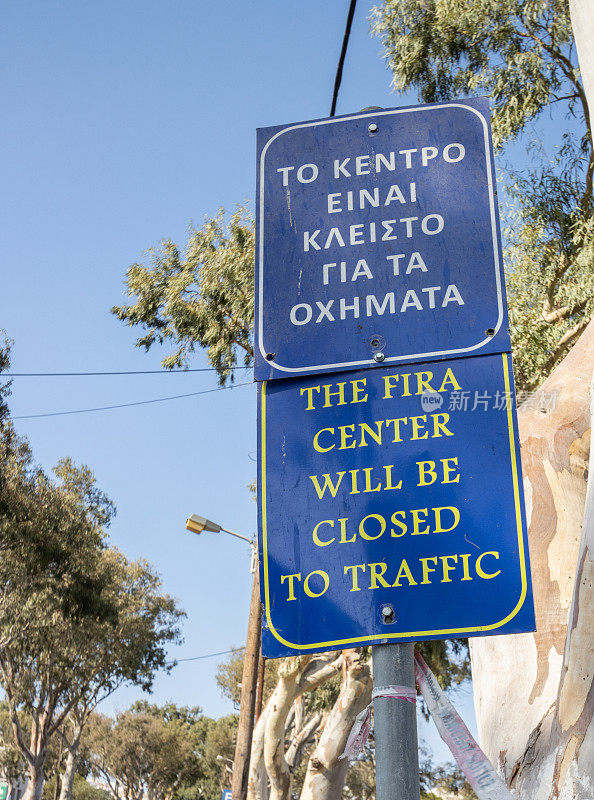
(249, 679)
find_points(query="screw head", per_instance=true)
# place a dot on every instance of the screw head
(379, 357)
(387, 612)
(372, 127)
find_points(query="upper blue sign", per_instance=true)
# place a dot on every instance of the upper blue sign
(391, 507)
(377, 241)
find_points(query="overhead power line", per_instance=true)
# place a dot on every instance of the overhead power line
(345, 44)
(127, 405)
(118, 372)
(211, 655)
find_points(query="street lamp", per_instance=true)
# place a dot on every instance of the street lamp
(197, 524)
(251, 672)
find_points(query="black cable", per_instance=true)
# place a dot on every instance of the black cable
(345, 43)
(125, 372)
(210, 655)
(127, 405)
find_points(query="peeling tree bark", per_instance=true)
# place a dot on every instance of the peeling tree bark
(326, 771)
(582, 22)
(72, 748)
(533, 692)
(258, 777)
(296, 676)
(301, 738)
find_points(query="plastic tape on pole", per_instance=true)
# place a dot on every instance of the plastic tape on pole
(475, 765)
(362, 725)
(479, 771)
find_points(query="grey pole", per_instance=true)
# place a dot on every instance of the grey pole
(395, 725)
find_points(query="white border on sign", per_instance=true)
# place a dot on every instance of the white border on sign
(496, 255)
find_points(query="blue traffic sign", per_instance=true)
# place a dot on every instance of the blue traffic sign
(377, 240)
(226, 794)
(391, 506)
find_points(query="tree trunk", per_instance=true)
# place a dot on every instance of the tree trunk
(326, 771)
(67, 780)
(281, 700)
(297, 675)
(533, 692)
(301, 738)
(35, 780)
(582, 22)
(258, 777)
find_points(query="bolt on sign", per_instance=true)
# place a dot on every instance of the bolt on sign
(390, 489)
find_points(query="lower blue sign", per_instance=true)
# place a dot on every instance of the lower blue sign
(391, 507)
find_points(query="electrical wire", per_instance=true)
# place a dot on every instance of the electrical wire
(127, 405)
(123, 372)
(209, 655)
(345, 44)
(337, 82)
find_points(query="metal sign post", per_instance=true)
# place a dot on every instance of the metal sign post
(395, 721)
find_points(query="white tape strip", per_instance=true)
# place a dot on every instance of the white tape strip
(358, 735)
(397, 692)
(362, 725)
(479, 771)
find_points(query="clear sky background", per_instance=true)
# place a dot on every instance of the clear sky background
(124, 121)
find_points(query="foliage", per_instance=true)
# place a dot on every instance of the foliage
(12, 765)
(521, 55)
(216, 744)
(83, 790)
(5, 345)
(201, 298)
(140, 755)
(360, 780)
(229, 673)
(76, 618)
(129, 647)
(517, 52)
(162, 752)
(448, 778)
(552, 226)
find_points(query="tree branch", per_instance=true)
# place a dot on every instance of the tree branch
(560, 314)
(564, 343)
(13, 713)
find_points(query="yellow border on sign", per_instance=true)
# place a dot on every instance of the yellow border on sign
(416, 634)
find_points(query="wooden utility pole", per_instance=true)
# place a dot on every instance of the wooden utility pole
(249, 680)
(259, 689)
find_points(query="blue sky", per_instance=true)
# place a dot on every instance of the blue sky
(125, 121)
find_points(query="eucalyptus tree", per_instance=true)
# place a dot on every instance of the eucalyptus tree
(52, 579)
(533, 693)
(310, 704)
(128, 648)
(145, 752)
(76, 619)
(521, 54)
(199, 297)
